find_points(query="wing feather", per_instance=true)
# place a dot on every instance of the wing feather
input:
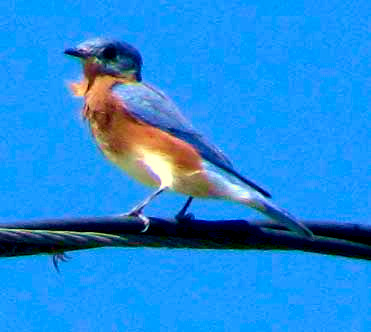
(152, 106)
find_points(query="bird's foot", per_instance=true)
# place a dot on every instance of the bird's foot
(138, 214)
(60, 257)
(184, 217)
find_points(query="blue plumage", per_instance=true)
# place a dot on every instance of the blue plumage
(153, 107)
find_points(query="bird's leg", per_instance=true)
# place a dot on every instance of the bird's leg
(137, 210)
(182, 215)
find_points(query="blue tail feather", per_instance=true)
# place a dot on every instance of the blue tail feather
(283, 217)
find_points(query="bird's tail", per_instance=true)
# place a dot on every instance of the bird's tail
(229, 187)
(279, 215)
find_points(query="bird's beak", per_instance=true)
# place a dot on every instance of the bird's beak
(77, 52)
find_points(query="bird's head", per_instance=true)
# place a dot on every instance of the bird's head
(109, 57)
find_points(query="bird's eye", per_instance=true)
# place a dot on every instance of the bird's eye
(109, 53)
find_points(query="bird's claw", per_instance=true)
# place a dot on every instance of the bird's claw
(184, 217)
(138, 214)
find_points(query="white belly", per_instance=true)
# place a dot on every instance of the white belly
(147, 167)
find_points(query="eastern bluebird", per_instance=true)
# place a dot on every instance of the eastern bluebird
(141, 130)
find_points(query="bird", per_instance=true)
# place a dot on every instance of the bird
(142, 131)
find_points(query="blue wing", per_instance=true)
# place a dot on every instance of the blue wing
(153, 107)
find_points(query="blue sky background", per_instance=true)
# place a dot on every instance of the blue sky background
(283, 88)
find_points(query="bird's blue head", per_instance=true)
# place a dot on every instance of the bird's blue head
(113, 57)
